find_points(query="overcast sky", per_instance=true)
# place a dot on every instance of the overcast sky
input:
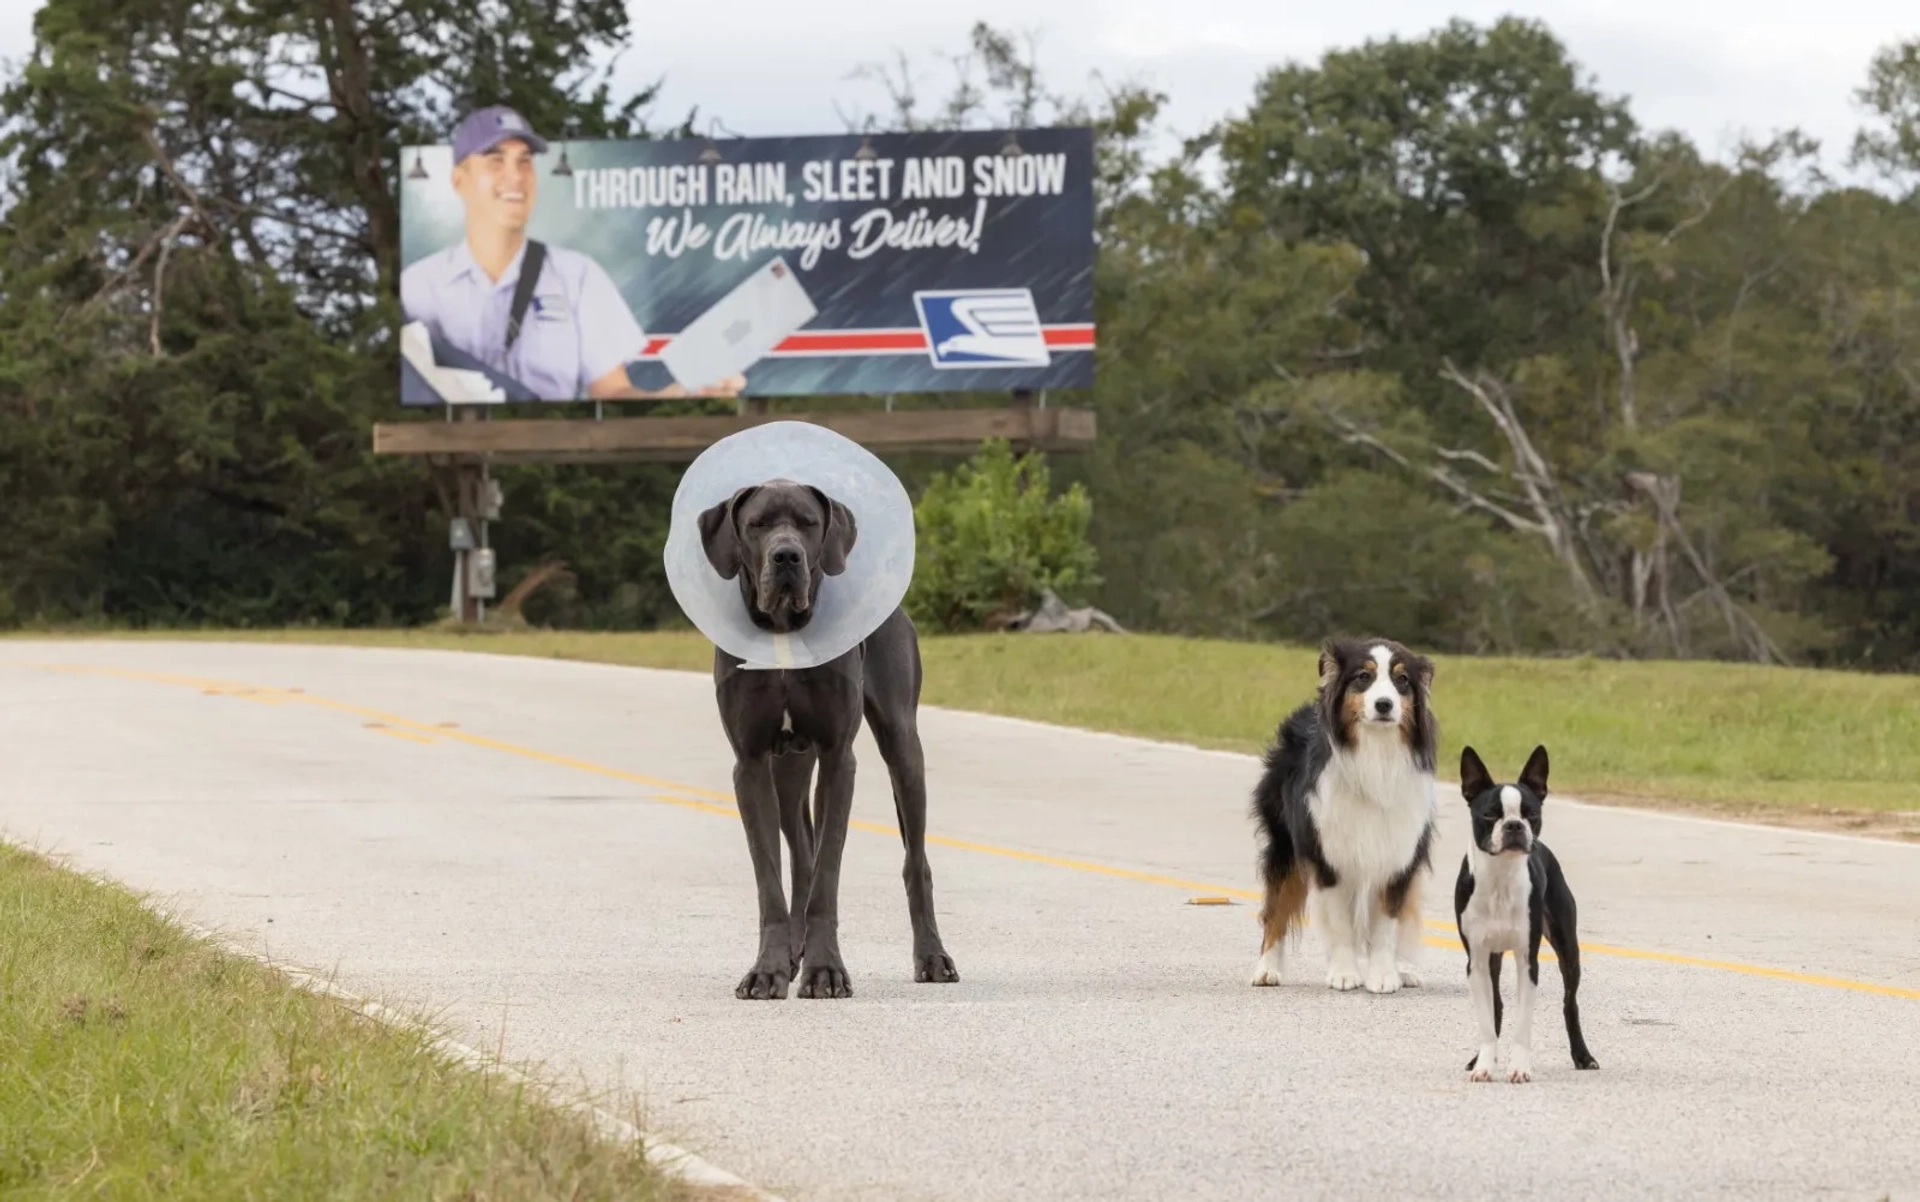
(1713, 68)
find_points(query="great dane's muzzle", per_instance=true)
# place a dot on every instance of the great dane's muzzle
(783, 575)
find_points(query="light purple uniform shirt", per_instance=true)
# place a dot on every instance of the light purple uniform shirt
(577, 328)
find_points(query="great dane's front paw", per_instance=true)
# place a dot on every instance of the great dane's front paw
(1519, 1068)
(936, 969)
(825, 980)
(763, 984)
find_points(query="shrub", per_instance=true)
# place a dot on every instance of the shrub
(990, 539)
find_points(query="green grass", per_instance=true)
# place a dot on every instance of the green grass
(1725, 735)
(139, 1061)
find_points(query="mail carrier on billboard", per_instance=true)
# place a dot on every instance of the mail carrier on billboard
(843, 264)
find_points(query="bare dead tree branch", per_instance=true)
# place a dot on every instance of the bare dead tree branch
(1613, 217)
(159, 290)
(1531, 470)
(1541, 508)
(1664, 492)
(139, 260)
(1655, 569)
(1706, 208)
(1618, 297)
(1554, 519)
(1469, 497)
(166, 165)
(896, 79)
(1454, 455)
(1474, 457)
(1354, 435)
(1639, 576)
(1617, 291)
(303, 104)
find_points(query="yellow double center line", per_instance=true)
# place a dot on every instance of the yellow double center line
(707, 801)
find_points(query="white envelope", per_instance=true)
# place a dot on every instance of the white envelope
(741, 328)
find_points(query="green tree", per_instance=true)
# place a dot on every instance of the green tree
(991, 537)
(1892, 95)
(1595, 342)
(1464, 165)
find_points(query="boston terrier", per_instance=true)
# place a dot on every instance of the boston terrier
(1510, 890)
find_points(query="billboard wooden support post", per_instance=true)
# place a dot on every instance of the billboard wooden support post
(467, 445)
(466, 537)
(475, 500)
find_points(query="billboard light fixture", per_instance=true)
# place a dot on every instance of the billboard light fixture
(712, 153)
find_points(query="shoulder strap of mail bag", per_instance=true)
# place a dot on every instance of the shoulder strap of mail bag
(530, 266)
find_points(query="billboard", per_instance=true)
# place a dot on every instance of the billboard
(790, 266)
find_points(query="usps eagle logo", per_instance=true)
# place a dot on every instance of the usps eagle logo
(982, 327)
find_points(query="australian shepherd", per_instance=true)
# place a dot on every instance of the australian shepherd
(1346, 810)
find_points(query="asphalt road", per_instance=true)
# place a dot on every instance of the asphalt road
(546, 854)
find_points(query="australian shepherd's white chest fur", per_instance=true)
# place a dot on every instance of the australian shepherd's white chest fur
(1371, 808)
(1347, 810)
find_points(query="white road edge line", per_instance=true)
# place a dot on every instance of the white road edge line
(666, 1157)
(1056, 728)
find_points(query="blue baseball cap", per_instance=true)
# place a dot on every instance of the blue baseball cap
(485, 129)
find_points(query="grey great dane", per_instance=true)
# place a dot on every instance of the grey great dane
(780, 539)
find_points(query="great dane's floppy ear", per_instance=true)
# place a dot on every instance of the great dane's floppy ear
(721, 537)
(1534, 775)
(1474, 777)
(839, 537)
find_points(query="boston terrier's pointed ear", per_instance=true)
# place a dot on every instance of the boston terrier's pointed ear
(1474, 777)
(1534, 775)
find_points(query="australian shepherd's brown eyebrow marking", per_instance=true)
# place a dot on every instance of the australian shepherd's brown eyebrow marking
(1345, 807)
